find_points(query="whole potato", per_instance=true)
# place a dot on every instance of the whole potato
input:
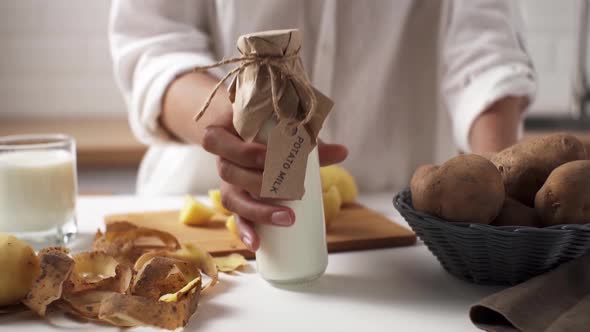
(586, 141)
(514, 213)
(488, 155)
(467, 188)
(565, 196)
(526, 165)
(18, 268)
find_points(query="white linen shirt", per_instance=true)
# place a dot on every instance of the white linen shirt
(395, 69)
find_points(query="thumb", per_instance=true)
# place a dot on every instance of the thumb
(331, 153)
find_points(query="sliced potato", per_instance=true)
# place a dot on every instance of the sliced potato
(231, 226)
(337, 176)
(217, 218)
(215, 197)
(195, 213)
(332, 204)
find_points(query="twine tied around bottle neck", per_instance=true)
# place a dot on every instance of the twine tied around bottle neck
(276, 65)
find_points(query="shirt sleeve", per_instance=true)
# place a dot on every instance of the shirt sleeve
(484, 59)
(152, 43)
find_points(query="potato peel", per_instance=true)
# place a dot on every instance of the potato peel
(189, 253)
(122, 281)
(56, 267)
(86, 304)
(201, 257)
(126, 242)
(12, 309)
(126, 281)
(130, 310)
(175, 297)
(94, 266)
(162, 275)
(230, 263)
(95, 270)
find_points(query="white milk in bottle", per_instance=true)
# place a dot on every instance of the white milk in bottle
(297, 253)
(270, 87)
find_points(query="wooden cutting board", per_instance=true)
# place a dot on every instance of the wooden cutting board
(355, 228)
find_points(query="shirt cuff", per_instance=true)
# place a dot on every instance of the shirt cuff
(486, 89)
(152, 81)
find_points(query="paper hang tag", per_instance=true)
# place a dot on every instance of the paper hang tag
(285, 166)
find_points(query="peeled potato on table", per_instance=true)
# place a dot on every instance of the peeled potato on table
(338, 187)
(195, 213)
(215, 196)
(332, 204)
(340, 178)
(19, 266)
(231, 226)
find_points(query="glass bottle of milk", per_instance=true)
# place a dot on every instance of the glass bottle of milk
(38, 188)
(298, 253)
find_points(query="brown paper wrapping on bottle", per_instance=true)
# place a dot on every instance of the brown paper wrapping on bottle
(271, 66)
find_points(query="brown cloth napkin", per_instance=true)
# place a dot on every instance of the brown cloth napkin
(556, 301)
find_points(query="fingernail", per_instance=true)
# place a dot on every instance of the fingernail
(281, 218)
(247, 241)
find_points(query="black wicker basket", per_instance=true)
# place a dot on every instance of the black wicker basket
(485, 254)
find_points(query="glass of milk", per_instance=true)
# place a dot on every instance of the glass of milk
(38, 188)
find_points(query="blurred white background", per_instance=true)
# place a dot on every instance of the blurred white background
(55, 60)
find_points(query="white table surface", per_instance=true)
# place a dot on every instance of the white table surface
(398, 289)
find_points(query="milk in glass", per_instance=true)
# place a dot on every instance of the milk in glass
(37, 190)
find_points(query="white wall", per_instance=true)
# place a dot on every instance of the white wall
(550, 27)
(54, 58)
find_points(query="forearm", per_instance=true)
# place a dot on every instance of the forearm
(184, 98)
(497, 127)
